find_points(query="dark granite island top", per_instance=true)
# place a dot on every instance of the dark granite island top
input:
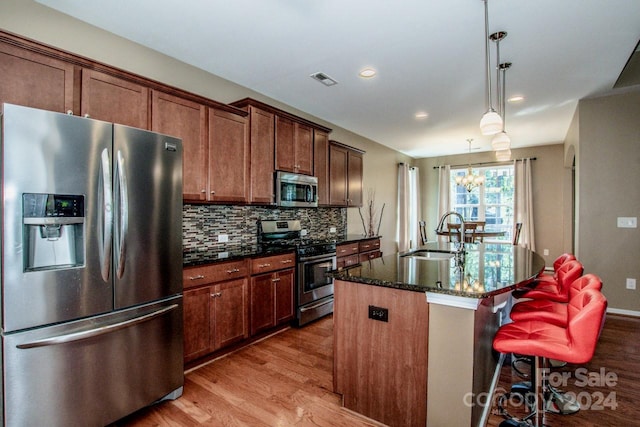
(413, 332)
(485, 270)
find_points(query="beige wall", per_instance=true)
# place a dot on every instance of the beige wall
(608, 177)
(48, 26)
(551, 187)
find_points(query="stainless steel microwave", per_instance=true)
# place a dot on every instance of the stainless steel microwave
(296, 190)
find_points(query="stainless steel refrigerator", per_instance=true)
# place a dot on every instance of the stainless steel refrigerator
(91, 269)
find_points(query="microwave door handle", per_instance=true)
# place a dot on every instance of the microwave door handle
(309, 193)
(123, 212)
(106, 209)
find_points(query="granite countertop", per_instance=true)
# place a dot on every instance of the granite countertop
(222, 253)
(227, 253)
(487, 270)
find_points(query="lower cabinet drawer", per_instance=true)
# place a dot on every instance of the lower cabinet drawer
(212, 273)
(370, 255)
(272, 263)
(347, 261)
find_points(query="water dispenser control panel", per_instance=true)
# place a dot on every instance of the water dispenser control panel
(52, 206)
(53, 234)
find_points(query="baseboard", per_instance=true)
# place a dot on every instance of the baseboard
(632, 313)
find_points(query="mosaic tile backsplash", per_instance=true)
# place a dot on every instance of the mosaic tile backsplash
(201, 224)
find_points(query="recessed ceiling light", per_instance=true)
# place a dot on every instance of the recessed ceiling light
(367, 73)
(421, 115)
(517, 98)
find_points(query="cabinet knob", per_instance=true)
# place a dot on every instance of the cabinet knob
(203, 191)
(276, 279)
(87, 116)
(216, 295)
(213, 192)
(264, 265)
(235, 270)
(199, 276)
(70, 112)
(286, 261)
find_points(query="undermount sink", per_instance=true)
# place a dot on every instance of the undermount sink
(430, 255)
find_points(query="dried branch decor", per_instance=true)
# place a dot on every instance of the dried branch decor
(369, 225)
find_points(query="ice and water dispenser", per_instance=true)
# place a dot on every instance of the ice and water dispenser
(53, 231)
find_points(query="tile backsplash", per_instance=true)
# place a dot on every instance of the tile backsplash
(201, 224)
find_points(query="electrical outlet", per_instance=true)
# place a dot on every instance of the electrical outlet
(332, 230)
(627, 222)
(631, 284)
(303, 232)
(223, 238)
(545, 252)
(378, 313)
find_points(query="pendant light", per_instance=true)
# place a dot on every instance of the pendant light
(491, 122)
(503, 155)
(502, 141)
(469, 181)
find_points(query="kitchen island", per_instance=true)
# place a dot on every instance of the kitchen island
(413, 332)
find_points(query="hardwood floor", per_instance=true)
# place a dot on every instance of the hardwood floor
(286, 380)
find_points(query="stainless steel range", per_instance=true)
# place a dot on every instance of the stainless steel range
(314, 258)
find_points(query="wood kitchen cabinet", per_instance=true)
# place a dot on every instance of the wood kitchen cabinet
(228, 157)
(215, 307)
(369, 249)
(262, 147)
(351, 253)
(345, 175)
(271, 291)
(34, 80)
(294, 146)
(176, 116)
(347, 254)
(111, 99)
(321, 164)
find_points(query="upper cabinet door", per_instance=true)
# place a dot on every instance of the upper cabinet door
(111, 99)
(303, 149)
(187, 120)
(228, 157)
(285, 144)
(338, 159)
(33, 80)
(354, 174)
(321, 164)
(262, 155)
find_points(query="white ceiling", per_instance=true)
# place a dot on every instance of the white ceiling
(429, 55)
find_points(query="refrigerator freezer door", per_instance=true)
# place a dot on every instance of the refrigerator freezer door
(147, 251)
(95, 371)
(46, 153)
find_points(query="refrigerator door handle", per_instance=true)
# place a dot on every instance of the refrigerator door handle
(124, 215)
(106, 228)
(78, 336)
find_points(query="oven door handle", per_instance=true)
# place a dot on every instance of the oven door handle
(320, 304)
(328, 257)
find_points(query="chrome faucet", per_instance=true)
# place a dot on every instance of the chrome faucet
(441, 224)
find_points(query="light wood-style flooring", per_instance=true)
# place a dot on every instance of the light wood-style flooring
(286, 380)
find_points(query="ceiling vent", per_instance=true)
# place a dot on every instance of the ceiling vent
(324, 79)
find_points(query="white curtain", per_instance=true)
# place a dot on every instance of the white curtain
(523, 203)
(408, 207)
(444, 192)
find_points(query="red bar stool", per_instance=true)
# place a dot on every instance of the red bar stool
(574, 343)
(551, 311)
(557, 263)
(554, 290)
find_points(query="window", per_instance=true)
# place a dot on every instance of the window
(491, 202)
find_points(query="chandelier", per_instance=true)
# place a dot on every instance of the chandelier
(469, 181)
